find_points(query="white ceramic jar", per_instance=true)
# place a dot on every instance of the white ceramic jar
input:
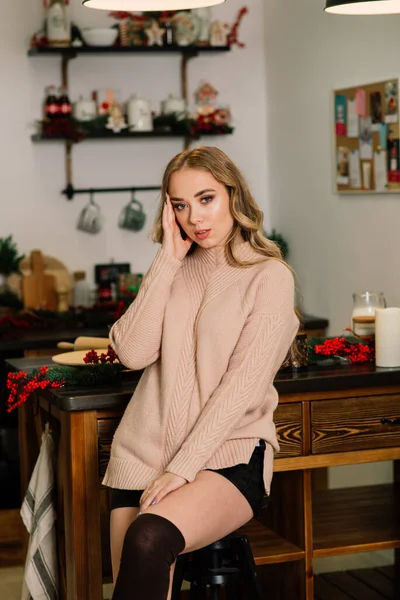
(173, 104)
(139, 114)
(85, 109)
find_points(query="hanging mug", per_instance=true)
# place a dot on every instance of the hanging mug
(132, 216)
(90, 220)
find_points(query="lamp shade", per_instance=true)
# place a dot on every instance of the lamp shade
(363, 7)
(149, 5)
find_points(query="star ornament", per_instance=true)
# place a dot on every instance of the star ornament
(155, 34)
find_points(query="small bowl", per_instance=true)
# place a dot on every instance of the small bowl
(99, 37)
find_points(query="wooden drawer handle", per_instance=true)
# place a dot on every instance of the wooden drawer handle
(386, 421)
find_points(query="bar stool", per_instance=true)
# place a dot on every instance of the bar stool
(228, 562)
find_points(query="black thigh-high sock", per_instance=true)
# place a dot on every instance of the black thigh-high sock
(151, 546)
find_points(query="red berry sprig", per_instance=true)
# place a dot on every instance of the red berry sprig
(357, 352)
(92, 358)
(22, 386)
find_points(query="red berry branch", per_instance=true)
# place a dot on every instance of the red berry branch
(22, 386)
(356, 352)
(93, 358)
(233, 35)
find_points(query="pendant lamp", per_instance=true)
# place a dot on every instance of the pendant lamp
(149, 5)
(363, 7)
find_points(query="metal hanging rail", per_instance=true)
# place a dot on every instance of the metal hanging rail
(70, 191)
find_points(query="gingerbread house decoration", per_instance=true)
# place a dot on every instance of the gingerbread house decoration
(206, 94)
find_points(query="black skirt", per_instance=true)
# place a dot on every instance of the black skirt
(248, 478)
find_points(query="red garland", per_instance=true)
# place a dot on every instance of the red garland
(357, 352)
(15, 323)
(92, 358)
(21, 387)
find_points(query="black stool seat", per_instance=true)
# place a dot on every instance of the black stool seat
(227, 563)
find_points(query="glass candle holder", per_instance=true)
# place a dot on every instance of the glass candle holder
(363, 314)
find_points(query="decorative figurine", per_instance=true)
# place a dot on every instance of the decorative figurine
(219, 34)
(57, 23)
(116, 120)
(155, 34)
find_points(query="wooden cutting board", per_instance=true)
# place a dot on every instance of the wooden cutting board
(38, 288)
(75, 359)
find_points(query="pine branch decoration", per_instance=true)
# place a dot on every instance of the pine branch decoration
(9, 257)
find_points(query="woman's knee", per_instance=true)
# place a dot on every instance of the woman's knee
(153, 538)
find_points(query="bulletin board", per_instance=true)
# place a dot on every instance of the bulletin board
(366, 134)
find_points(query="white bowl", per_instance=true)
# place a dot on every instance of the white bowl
(99, 37)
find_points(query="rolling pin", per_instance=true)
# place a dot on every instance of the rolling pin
(85, 343)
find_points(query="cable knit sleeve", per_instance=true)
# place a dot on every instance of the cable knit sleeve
(136, 336)
(263, 344)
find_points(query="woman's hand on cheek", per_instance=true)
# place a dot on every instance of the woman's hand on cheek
(173, 244)
(159, 488)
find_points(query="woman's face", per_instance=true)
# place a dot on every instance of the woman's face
(201, 206)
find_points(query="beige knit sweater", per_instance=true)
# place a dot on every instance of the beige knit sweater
(211, 337)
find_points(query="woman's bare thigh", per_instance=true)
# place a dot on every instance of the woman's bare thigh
(205, 510)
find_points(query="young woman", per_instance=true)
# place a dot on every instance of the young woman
(211, 325)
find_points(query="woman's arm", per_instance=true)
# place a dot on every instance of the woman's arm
(136, 336)
(260, 351)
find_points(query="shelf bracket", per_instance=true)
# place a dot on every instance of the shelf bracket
(65, 58)
(184, 85)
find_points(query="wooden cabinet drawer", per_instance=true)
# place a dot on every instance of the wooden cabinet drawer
(287, 419)
(351, 424)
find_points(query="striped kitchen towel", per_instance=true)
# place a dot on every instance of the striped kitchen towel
(38, 514)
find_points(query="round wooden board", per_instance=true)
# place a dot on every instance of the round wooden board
(74, 359)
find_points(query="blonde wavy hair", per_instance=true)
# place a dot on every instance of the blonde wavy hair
(247, 216)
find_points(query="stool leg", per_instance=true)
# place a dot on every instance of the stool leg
(198, 591)
(232, 593)
(215, 592)
(178, 576)
(248, 567)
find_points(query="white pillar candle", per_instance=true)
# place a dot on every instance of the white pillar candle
(387, 337)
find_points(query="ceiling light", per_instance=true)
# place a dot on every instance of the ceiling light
(149, 5)
(363, 7)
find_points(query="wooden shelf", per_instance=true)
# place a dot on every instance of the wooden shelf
(360, 584)
(123, 135)
(362, 519)
(268, 547)
(93, 50)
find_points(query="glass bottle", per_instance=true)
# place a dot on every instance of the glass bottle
(51, 103)
(64, 104)
(81, 290)
(57, 23)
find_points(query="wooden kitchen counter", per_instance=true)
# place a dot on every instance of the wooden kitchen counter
(326, 417)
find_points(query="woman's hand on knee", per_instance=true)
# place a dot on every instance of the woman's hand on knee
(159, 488)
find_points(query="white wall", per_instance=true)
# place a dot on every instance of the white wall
(338, 244)
(32, 176)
